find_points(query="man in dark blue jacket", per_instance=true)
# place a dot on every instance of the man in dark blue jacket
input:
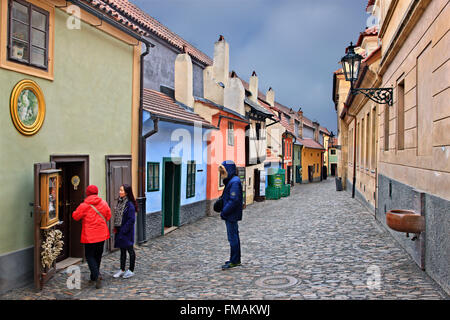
(232, 211)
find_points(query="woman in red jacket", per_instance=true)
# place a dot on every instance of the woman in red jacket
(94, 213)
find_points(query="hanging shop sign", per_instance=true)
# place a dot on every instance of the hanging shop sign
(27, 107)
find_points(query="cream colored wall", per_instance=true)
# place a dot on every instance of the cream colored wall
(365, 164)
(425, 161)
(274, 134)
(342, 88)
(401, 7)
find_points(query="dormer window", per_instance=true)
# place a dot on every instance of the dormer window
(28, 34)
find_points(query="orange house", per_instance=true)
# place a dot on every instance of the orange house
(227, 143)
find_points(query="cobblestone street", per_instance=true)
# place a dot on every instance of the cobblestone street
(315, 244)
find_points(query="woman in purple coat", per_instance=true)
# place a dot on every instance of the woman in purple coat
(124, 219)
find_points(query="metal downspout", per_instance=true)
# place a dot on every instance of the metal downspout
(354, 155)
(141, 200)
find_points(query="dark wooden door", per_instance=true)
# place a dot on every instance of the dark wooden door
(298, 174)
(289, 174)
(310, 173)
(256, 184)
(73, 186)
(118, 173)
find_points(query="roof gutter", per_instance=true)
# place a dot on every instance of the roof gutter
(111, 21)
(141, 221)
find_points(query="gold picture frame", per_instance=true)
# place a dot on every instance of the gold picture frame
(27, 107)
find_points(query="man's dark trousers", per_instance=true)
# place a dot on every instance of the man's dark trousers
(235, 242)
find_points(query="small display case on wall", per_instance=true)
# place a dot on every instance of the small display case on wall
(49, 192)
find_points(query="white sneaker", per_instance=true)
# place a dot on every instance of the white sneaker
(119, 274)
(128, 274)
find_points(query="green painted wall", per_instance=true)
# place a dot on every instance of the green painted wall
(332, 159)
(88, 112)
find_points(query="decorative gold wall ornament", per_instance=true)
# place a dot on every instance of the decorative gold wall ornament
(75, 182)
(27, 107)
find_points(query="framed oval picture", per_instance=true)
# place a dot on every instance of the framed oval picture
(27, 107)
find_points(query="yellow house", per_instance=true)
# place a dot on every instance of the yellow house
(312, 160)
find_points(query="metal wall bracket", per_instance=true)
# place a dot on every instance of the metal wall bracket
(378, 95)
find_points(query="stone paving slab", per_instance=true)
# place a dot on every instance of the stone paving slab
(325, 240)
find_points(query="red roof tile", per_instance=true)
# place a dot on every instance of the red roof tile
(370, 3)
(150, 24)
(370, 32)
(164, 106)
(310, 143)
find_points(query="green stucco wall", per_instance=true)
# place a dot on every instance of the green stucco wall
(88, 112)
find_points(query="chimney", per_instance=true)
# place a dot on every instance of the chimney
(316, 131)
(184, 92)
(253, 87)
(292, 115)
(234, 95)
(300, 126)
(221, 61)
(270, 97)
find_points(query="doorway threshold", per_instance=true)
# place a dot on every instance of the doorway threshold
(67, 263)
(169, 230)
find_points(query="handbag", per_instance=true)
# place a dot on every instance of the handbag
(218, 205)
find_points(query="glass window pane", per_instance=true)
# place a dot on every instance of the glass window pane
(150, 170)
(38, 56)
(38, 20)
(19, 51)
(19, 31)
(20, 12)
(38, 38)
(52, 198)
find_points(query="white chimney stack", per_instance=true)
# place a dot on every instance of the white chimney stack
(184, 90)
(270, 97)
(221, 63)
(253, 87)
(234, 95)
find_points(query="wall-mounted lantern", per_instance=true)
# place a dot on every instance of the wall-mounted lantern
(351, 64)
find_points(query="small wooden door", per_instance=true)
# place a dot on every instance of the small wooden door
(310, 173)
(118, 173)
(298, 174)
(256, 184)
(171, 194)
(289, 175)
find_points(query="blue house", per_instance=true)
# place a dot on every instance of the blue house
(176, 162)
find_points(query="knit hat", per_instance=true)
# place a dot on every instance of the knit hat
(91, 190)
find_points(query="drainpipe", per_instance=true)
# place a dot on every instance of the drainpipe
(141, 200)
(141, 157)
(354, 155)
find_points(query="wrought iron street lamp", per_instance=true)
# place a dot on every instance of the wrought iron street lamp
(351, 64)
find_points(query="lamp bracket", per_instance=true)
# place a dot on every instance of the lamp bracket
(378, 95)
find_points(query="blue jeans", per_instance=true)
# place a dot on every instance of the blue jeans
(235, 242)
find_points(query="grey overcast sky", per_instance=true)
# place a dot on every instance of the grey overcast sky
(293, 45)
